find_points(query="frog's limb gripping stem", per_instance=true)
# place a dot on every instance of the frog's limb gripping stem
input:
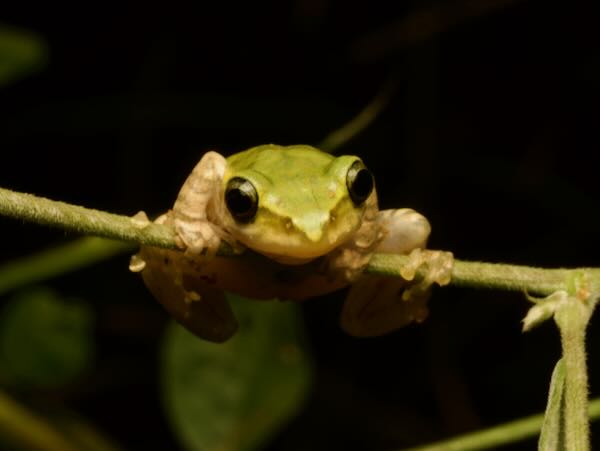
(377, 304)
(197, 203)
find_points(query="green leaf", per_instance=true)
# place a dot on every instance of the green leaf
(236, 395)
(551, 437)
(45, 341)
(543, 309)
(21, 52)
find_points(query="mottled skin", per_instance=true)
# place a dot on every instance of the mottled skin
(307, 238)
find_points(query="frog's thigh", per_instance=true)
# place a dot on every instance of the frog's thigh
(195, 303)
(374, 305)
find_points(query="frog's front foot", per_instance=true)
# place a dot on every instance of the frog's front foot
(378, 305)
(438, 269)
(198, 237)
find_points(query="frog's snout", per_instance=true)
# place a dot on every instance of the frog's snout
(312, 225)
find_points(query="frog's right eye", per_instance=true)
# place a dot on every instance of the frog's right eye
(359, 181)
(241, 199)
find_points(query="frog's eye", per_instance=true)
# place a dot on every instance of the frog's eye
(241, 199)
(360, 182)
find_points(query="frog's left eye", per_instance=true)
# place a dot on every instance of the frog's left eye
(360, 182)
(241, 199)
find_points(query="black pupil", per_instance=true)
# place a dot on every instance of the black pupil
(238, 201)
(241, 199)
(363, 184)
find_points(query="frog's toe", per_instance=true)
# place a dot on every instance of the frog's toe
(377, 305)
(198, 238)
(438, 266)
(140, 219)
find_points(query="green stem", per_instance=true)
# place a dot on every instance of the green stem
(123, 228)
(362, 120)
(500, 435)
(498, 276)
(83, 220)
(58, 260)
(572, 319)
(28, 430)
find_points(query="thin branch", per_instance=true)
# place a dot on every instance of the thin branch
(58, 260)
(497, 276)
(363, 119)
(123, 228)
(83, 220)
(572, 318)
(500, 435)
(28, 430)
(583, 285)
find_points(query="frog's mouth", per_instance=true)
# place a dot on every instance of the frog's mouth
(292, 243)
(292, 255)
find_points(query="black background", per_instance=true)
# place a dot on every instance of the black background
(492, 134)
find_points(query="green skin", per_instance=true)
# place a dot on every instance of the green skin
(304, 209)
(307, 238)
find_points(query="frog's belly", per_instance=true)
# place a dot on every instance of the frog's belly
(250, 275)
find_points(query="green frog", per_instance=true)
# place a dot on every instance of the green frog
(305, 223)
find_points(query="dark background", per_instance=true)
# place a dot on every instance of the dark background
(492, 134)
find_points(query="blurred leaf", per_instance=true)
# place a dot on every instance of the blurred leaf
(45, 340)
(236, 396)
(21, 52)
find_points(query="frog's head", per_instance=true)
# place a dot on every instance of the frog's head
(294, 203)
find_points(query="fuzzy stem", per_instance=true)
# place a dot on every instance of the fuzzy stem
(83, 220)
(500, 435)
(123, 228)
(498, 276)
(572, 320)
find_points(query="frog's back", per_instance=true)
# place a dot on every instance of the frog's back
(285, 161)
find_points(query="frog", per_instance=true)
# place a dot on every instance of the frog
(302, 223)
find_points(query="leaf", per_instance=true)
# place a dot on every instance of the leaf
(45, 341)
(551, 437)
(236, 395)
(21, 52)
(543, 309)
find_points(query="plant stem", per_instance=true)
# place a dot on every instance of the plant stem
(572, 319)
(363, 119)
(123, 228)
(28, 430)
(499, 276)
(58, 260)
(502, 434)
(83, 220)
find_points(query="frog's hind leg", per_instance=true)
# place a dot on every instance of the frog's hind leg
(377, 305)
(194, 302)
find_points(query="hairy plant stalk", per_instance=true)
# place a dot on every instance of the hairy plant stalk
(583, 285)
(83, 220)
(124, 228)
(502, 434)
(572, 320)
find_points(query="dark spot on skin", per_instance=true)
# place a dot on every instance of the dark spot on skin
(286, 276)
(210, 279)
(166, 260)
